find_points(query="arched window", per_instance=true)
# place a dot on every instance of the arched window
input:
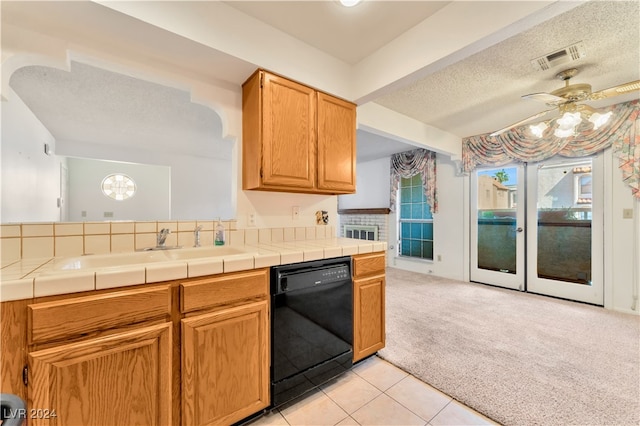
(118, 186)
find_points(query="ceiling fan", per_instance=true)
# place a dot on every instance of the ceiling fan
(567, 101)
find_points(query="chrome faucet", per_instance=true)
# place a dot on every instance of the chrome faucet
(196, 236)
(162, 237)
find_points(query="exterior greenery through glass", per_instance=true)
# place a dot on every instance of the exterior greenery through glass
(416, 221)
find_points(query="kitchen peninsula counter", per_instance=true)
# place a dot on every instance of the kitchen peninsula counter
(29, 278)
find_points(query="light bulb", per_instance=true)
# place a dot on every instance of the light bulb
(538, 129)
(563, 133)
(600, 120)
(349, 3)
(569, 120)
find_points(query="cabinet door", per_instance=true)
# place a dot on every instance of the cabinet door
(124, 379)
(225, 365)
(288, 133)
(336, 145)
(368, 316)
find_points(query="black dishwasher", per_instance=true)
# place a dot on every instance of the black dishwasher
(311, 325)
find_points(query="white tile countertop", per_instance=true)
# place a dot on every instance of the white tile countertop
(28, 278)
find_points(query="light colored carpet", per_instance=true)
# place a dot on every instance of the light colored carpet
(517, 358)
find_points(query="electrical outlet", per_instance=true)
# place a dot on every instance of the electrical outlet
(627, 213)
(295, 212)
(251, 222)
(439, 258)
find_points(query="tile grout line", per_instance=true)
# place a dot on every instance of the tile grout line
(409, 409)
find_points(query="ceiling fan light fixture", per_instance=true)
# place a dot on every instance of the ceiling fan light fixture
(567, 124)
(349, 3)
(563, 133)
(600, 120)
(569, 120)
(538, 129)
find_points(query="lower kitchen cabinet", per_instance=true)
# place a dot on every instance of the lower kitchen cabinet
(101, 358)
(225, 364)
(123, 378)
(369, 304)
(225, 347)
(190, 352)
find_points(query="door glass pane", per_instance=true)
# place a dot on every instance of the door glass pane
(497, 219)
(564, 221)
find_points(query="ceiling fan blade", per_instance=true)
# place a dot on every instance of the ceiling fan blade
(511, 126)
(616, 90)
(547, 98)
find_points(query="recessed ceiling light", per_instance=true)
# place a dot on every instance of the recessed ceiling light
(349, 3)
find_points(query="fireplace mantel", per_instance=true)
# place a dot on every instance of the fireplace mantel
(365, 211)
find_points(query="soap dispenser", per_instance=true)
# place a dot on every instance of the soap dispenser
(219, 234)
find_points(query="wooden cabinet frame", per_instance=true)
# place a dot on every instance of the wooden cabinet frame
(295, 138)
(368, 304)
(57, 349)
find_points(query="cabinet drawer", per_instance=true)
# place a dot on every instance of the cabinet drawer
(73, 317)
(367, 264)
(223, 289)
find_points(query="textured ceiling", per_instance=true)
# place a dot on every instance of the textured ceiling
(93, 105)
(482, 93)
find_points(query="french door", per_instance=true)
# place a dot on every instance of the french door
(497, 227)
(539, 228)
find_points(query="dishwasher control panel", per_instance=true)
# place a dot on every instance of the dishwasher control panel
(310, 274)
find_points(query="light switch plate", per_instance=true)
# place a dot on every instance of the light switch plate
(627, 213)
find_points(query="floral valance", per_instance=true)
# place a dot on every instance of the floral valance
(519, 145)
(410, 163)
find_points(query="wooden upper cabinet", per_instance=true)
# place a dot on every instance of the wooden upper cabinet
(336, 144)
(289, 133)
(295, 138)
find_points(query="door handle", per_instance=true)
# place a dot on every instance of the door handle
(519, 229)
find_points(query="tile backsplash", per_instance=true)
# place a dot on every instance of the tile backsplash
(38, 240)
(41, 240)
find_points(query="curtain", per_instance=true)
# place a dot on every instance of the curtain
(622, 133)
(410, 163)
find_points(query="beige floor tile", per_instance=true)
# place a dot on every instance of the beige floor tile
(351, 391)
(457, 414)
(273, 418)
(379, 373)
(314, 408)
(418, 397)
(386, 411)
(349, 421)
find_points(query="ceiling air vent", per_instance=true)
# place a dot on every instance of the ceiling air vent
(562, 56)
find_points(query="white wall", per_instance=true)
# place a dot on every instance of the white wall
(274, 209)
(622, 256)
(30, 178)
(372, 186)
(153, 191)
